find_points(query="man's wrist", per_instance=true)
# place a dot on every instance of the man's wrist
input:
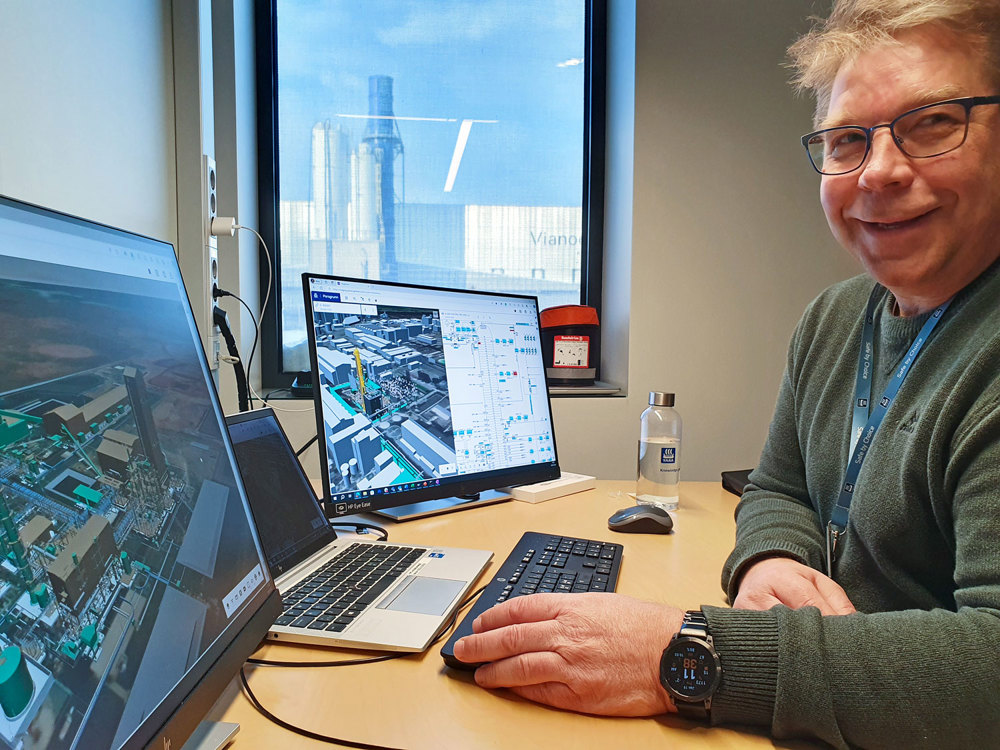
(690, 668)
(669, 633)
(748, 564)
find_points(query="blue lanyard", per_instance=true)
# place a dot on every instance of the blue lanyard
(867, 420)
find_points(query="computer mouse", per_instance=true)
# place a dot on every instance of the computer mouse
(641, 519)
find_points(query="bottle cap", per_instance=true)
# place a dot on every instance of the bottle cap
(657, 398)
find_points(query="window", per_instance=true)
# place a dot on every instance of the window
(444, 142)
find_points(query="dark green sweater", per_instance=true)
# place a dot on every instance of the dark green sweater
(919, 664)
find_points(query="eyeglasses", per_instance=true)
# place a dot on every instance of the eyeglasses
(921, 133)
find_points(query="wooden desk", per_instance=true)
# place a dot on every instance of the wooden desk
(416, 702)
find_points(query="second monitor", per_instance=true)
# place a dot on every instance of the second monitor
(425, 396)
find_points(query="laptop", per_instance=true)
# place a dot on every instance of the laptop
(383, 596)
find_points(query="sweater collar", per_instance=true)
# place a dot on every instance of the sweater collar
(898, 333)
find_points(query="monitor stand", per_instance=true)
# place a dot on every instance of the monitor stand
(444, 505)
(212, 735)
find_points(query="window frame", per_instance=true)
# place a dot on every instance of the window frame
(273, 377)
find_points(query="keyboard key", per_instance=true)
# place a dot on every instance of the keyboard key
(339, 590)
(560, 564)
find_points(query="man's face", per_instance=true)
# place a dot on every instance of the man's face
(922, 227)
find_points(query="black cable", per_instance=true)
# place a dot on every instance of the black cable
(338, 663)
(299, 730)
(360, 527)
(217, 292)
(346, 662)
(221, 320)
(309, 442)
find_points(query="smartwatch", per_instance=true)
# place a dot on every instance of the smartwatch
(690, 670)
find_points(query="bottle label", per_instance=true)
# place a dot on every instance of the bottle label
(668, 455)
(571, 351)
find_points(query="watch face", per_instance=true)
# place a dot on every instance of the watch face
(690, 669)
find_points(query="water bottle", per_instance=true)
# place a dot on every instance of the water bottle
(659, 453)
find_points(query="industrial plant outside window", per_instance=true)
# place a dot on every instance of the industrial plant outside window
(436, 142)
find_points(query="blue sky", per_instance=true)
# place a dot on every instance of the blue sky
(518, 62)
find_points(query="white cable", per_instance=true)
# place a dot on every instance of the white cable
(270, 274)
(260, 316)
(268, 403)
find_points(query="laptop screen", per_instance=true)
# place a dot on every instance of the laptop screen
(289, 518)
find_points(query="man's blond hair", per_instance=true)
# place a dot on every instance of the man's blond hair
(855, 26)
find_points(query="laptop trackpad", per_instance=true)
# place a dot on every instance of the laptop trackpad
(425, 596)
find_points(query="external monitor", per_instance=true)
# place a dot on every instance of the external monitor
(133, 585)
(425, 396)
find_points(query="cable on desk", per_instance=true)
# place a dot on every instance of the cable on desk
(446, 630)
(362, 528)
(371, 659)
(338, 663)
(255, 702)
(299, 730)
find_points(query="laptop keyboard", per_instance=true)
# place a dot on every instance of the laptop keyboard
(333, 596)
(543, 563)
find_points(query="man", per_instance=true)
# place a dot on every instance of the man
(877, 624)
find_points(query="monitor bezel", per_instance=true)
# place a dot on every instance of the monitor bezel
(467, 486)
(181, 710)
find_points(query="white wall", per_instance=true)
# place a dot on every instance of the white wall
(86, 111)
(727, 244)
(728, 240)
(236, 158)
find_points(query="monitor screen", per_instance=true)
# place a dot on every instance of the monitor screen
(131, 567)
(425, 393)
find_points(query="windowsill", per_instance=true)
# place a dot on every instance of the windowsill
(599, 388)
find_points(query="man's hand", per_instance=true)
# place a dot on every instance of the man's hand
(781, 580)
(593, 653)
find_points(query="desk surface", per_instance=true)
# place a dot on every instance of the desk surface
(415, 702)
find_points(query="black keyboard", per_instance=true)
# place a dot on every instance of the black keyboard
(543, 563)
(334, 595)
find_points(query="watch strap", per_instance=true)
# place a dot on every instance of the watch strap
(699, 710)
(694, 625)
